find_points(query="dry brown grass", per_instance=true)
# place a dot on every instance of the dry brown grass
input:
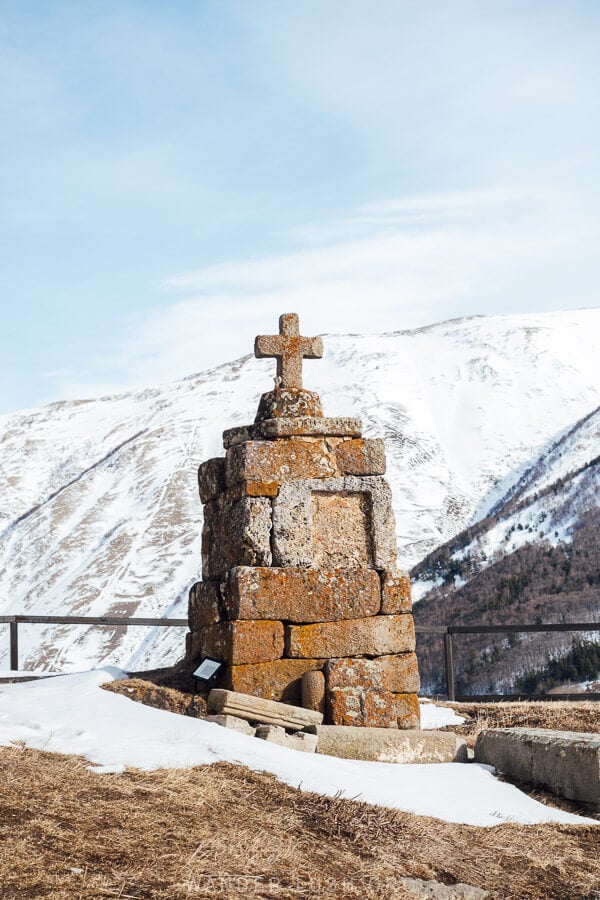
(563, 715)
(226, 832)
(160, 696)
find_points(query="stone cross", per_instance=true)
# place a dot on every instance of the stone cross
(289, 349)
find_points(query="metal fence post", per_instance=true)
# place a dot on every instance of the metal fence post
(14, 645)
(449, 661)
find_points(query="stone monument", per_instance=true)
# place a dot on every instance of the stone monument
(301, 596)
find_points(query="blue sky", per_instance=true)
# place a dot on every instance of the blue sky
(175, 175)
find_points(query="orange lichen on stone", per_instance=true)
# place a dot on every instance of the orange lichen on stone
(340, 530)
(375, 636)
(301, 594)
(276, 680)
(361, 456)
(395, 592)
(289, 403)
(282, 460)
(398, 673)
(289, 348)
(407, 711)
(251, 489)
(360, 706)
(241, 643)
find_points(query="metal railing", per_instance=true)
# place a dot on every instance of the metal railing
(447, 631)
(14, 621)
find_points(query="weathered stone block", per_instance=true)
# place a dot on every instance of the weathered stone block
(361, 456)
(340, 426)
(301, 594)
(276, 680)
(239, 434)
(235, 532)
(251, 489)
(293, 527)
(275, 734)
(283, 460)
(407, 711)
(360, 706)
(313, 690)
(341, 530)
(376, 636)
(289, 403)
(204, 604)
(565, 762)
(389, 745)
(240, 643)
(211, 478)
(234, 723)
(398, 674)
(256, 709)
(395, 592)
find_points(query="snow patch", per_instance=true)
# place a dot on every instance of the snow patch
(72, 714)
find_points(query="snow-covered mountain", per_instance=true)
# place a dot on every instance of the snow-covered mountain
(100, 512)
(535, 557)
(546, 504)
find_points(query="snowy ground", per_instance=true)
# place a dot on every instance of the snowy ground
(72, 714)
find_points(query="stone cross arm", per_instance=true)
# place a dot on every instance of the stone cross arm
(289, 348)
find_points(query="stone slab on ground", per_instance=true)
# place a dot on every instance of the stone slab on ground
(390, 745)
(256, 709)
(275, 734)
(232, 722)
(565, 762)
(437, 890)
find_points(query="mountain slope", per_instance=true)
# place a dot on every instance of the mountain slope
(533, 559)
(100, 511)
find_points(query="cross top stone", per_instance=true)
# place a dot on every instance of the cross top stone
(289, 348)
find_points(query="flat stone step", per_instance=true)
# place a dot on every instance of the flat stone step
(256, 709)
(234, 723)
(565, 762)
(300, 740)
(390, 745)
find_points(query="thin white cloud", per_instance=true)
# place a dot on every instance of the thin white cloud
(400, 264)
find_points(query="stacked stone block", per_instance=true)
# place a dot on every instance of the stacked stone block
(299, 570)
